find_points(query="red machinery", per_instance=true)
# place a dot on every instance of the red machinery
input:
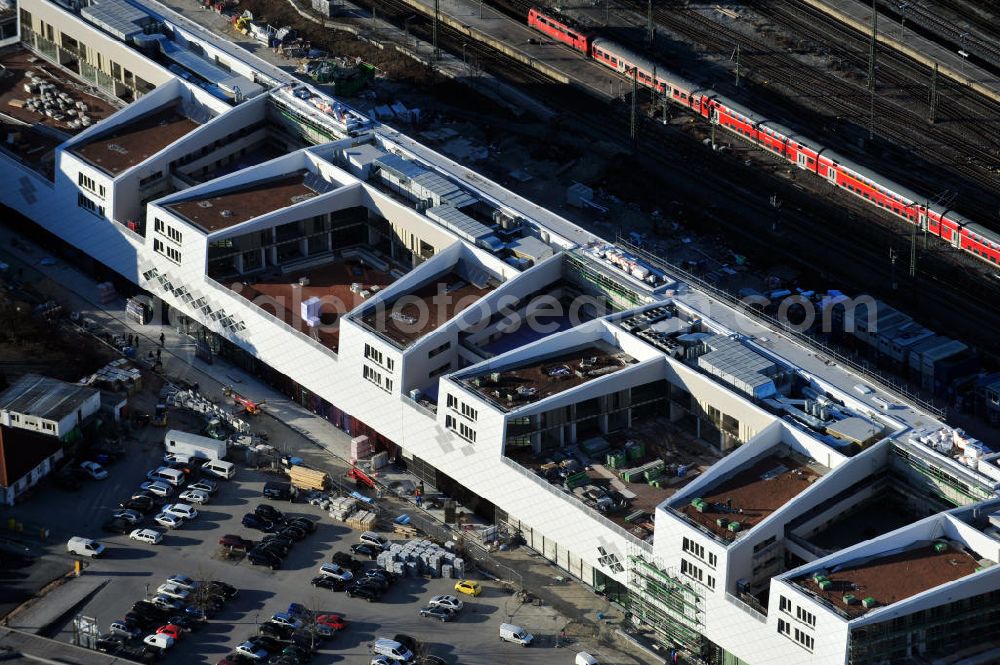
(360, 476)
(252, 408)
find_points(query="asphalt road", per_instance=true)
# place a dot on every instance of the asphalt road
(193, 550)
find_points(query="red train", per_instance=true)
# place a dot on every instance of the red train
(801, 151)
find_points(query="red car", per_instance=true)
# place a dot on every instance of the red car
(170, 629)
(334, 621)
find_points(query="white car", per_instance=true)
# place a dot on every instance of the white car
(207, 486)
(170, 458)
(94, 470)
(148, 536)
(251, 651)
(185, 510)
(194, 496)
(286, 620)
(169, 521)
(173, 591)
(447, 602)
(157, 488)
(129, 515)
(159, 640)
(336, 572)
(183, 581)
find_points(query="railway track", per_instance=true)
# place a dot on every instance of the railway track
(980, 46)
(974, 165)
(725, 207)
(910, 79)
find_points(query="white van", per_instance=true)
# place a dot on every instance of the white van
(84, 547)
(511, 633)
(220, 468)
(584, 658)
(167, 475)
(392, 650)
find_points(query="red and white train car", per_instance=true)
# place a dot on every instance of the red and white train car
(561, 29)
(779, 140)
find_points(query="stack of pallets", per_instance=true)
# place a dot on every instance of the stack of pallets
(362, 519)
(308, 479)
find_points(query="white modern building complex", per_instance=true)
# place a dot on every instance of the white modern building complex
(746, 497)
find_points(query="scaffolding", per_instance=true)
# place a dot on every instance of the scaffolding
(617, 295)
(673, 608)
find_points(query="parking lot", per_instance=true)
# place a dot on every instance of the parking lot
(134, 570)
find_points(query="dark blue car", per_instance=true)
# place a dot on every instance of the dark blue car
(252, 521)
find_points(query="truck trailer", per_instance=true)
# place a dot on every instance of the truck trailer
(192, 445)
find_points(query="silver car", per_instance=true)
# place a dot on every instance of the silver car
(446, 601)
(169, 521)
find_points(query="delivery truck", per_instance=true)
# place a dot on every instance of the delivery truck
(185, 444)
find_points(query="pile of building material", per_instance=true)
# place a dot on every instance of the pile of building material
(415, 558)
(46, 99)
(348, 510)
(361, 448)
(363, 520)
(405, 530)
(646, 472)
(379, 460)
(308, 479)
(195, 401)
(341, 508)
(116, 376)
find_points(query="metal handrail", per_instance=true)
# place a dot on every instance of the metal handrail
(746, 608)
(418, 406)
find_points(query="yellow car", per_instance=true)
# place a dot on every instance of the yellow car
(469, 587)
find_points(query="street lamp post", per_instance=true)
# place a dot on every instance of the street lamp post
(406, 30)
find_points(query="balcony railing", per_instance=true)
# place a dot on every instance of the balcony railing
(746, 608)
(422, 408)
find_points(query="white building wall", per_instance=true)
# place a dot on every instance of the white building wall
(58, 428)
(9, 494)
